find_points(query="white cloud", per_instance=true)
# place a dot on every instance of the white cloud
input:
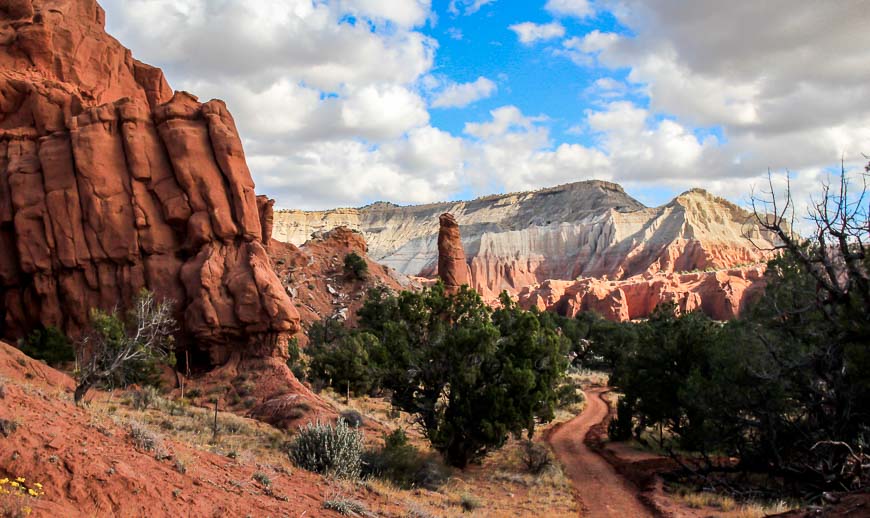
(459, 95)
(785, 91)
(406, 13)
(529, 32)
(514, 152)
(258, 42)
(504, 119)
(330, 97)
(467, 7)
(455, 33)
(577, 8)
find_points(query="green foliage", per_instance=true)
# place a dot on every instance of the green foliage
(469, 503)
(49, 344)
(345, 361)
(109, 330)
(401, 463)
(355, 266)
(294, 359)
(785, 389)
(123, 349)
(472, 376)
(328, 449)
(262, 478)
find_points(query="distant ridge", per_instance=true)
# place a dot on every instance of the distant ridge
(583, 229)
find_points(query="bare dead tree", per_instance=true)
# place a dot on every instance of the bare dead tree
(833, 255)
(115, 343)
(836, 251)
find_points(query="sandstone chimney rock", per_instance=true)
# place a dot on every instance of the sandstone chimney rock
(110, 183)
(452, 268)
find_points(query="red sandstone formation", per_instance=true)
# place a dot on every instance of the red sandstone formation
(721, 295)
(110, 183)
(88, 466)
(313, 274)
(583, 229)
(452, 267)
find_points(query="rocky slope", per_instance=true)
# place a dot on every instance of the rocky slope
(721, 295)
(585, 229)
(89, 464)
(110, 183)
(313, 275)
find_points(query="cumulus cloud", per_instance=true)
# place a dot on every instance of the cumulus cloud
(257, 42)
(784, 81)
(529, 32)
(514, 152)
(577, 8)
(459, 95)
(332, 97)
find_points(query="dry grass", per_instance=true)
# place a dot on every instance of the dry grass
(726, 506)
(243, 440)
(500, 486)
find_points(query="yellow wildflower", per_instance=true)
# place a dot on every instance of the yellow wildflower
(15, 484)
(20, 479)
(38, 485)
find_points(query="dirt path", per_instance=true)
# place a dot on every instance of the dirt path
(600, 491)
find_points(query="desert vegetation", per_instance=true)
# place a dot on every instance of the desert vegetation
(783, 391)
(121, 349)
(470, 375)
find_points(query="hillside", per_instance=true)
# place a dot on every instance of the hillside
(584, 229)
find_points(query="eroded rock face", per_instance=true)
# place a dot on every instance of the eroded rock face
(721, 295)
(584, 229)
(452, 267)
(110, 183)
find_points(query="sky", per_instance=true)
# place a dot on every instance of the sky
(344, 102)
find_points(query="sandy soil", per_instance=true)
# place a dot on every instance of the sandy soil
(600, 491)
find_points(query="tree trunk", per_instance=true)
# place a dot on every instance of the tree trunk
(81, 389)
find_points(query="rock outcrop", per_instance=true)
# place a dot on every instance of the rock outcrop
(585, 229)
(313, 275)
(452, 267)
(110, 183)
(721, 295)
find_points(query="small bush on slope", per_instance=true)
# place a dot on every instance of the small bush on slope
(328, 449)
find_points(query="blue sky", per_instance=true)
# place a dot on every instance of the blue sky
(344, 102)
(529, 76)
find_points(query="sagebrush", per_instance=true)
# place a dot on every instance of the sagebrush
(334, 450)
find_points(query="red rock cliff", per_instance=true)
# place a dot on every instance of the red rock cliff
(452, 267)
(110, 183)
(721, 295)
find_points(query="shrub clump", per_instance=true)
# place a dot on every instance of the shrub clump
(536, 457)
(402, 464)
(328, 449)
(355, 266)
(49, 344)
(346, 506)
(469, 503)
(144, 439)
(352, 417)
(262, 478)
(145, 397)
(7, 427)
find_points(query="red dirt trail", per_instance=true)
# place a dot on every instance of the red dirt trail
(601, 492)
